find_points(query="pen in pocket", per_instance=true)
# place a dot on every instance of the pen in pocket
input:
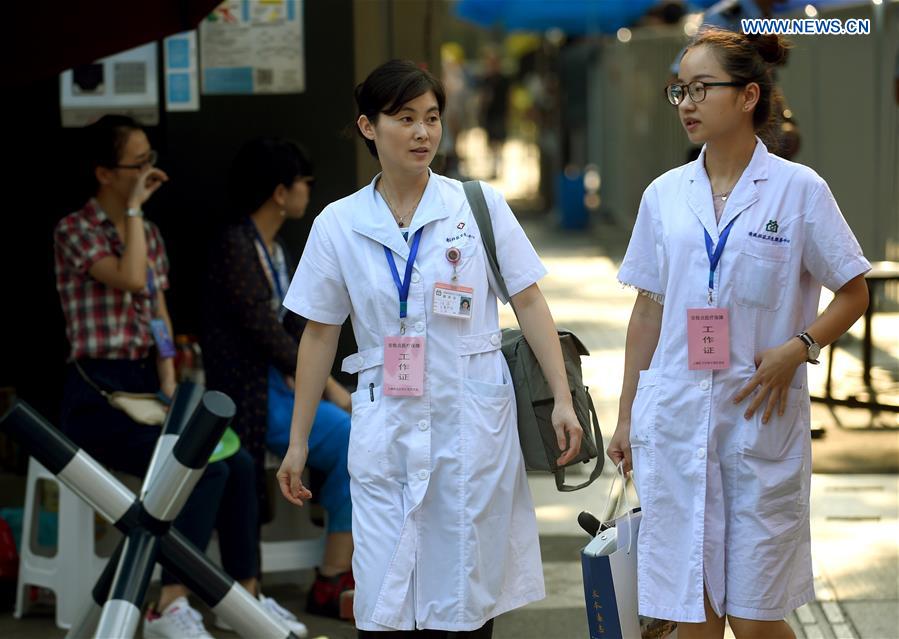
(371, 392)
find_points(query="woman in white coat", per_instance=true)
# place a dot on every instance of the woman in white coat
(443, 523)
(729, 254)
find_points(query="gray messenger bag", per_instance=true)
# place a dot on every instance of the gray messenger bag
(533, 396)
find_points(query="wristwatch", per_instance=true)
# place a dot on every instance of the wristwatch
(814, 349)
(134, 213)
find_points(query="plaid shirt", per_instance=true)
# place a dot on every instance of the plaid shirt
(104, 322)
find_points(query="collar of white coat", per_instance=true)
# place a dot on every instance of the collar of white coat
(378, 224)
(744, 194)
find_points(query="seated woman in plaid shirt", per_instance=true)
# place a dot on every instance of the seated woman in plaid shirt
(111, 274)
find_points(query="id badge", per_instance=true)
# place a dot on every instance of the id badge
(708, 339)
(404, 366)
(161, 336)
(452, 300)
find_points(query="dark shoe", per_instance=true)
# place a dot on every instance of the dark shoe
(332, 596)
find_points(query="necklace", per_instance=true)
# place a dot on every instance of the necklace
(723, 196)
(400, 219)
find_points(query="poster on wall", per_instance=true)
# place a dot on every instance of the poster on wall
(181, 83)
(123, 83)
(250, 47)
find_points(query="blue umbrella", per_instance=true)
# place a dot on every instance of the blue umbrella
(784, 6)
(574, 17)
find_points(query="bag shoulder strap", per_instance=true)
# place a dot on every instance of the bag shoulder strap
(561, 486)
(89, 381)
(481, 211)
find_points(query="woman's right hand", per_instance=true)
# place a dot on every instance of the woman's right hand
(146, 185)
(619, 448)
(290, 474)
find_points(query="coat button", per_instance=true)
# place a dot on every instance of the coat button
(423, 425)
(700, 454)
(419, 327)
(704, 384)
(494, 339)
(416, 278)
(422, 475)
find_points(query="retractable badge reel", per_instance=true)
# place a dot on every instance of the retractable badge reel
(453, 300)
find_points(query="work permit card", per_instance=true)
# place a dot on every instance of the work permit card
(708, 339)
(161, 336)
(404, 366)
(452, 300)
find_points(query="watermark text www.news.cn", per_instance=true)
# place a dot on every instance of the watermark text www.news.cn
(805, 26)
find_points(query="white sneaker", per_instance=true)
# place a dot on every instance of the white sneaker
(177, 621)
(276, 611)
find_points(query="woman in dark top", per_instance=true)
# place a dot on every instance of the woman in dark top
(250, 345)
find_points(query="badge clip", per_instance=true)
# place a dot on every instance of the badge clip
(453, 256)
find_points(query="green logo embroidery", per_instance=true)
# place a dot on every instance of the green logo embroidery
(771, 226)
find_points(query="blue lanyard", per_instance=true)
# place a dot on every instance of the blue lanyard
(276, 279)
(403, 287)
(715, 256)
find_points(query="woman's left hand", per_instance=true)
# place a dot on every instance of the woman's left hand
(775, 368)
(569, 433)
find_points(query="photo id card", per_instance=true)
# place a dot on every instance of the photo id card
(708, 339)
(161, 336)
(404, 366)
(452, 300)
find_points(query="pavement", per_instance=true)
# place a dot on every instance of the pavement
(855, 512)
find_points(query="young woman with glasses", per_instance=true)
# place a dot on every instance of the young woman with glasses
(729, 254)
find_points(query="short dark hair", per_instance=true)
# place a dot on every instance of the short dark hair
(389, 87)
(103, 142)
(259, 167)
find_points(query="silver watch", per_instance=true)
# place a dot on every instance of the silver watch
(814, 349)
(134, 213)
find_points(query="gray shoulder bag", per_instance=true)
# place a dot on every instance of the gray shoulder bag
(533, 396)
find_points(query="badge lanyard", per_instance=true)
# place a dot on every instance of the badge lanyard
(276, 278)
(403, 286)
(152, 290)
(715, 256)
(158, 328)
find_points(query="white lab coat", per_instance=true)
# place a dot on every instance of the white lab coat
(443, 523)
(726, 500)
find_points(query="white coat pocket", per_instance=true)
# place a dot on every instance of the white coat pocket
(367, 452)
(644, 412)
(644, 409)
(784, 436)
(488, 411)
(761, 277)
(772, 471)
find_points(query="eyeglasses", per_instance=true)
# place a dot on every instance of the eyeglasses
(676, 91)
(152, 156)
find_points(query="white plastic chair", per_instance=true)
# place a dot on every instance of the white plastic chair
(75, 567)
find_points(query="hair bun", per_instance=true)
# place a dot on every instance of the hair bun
(773, 48)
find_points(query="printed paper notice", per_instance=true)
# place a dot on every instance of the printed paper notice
(181, 83)
(253, 46)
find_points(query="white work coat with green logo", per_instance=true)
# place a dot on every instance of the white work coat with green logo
(726, 500)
